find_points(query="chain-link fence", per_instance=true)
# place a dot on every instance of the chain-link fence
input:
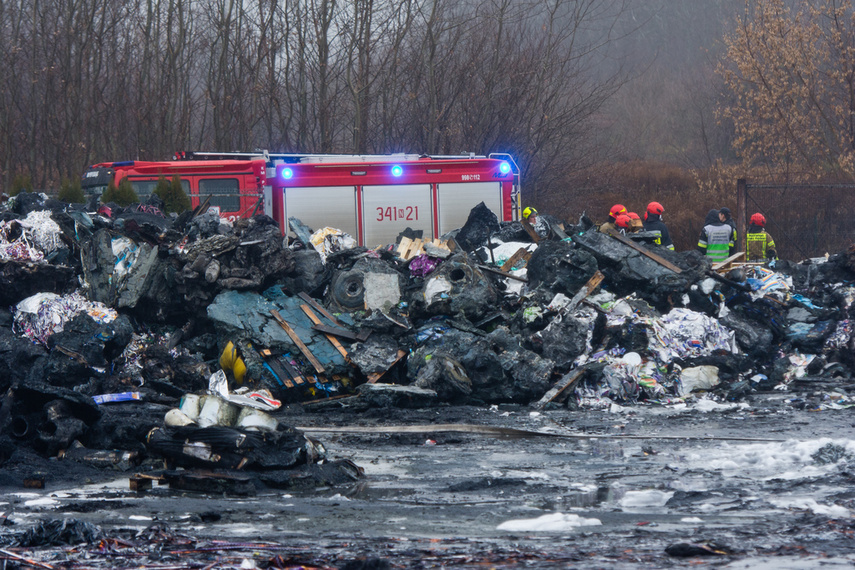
(805, 220)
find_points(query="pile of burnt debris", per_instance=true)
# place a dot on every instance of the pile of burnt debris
(128, 335)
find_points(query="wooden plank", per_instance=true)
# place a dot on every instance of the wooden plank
(390, 319)
(560, 387)
(319, 368)
(403, 246)
(295, 374)
(319, 308)
(586, 290)
(329, 399)
(643, 250)
(280, 372)
(521, 253)
(375, 376)
(271, 361)
(418, 248)
(530, 230)
(414, 248)
(333, 340)
(502, 273)
(137, 483)
(722, 264)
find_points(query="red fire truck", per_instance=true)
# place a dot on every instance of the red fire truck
(234, 186)
(371, 197)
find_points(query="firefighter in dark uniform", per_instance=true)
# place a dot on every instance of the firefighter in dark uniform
(653, 223)
(759, 245)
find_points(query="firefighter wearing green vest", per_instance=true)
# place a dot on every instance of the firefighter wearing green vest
(717, 238)
(759, 245)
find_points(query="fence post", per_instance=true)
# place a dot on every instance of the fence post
(741, 207)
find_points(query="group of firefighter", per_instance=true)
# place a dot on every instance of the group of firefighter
(718, 239)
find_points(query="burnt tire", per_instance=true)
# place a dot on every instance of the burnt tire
(347, 290)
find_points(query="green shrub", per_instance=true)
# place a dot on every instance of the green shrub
(21, 183)
(162, 188)
(174, 197)
(71, 192)
(123, 195)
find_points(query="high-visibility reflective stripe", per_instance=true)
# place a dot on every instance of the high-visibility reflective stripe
(718, 251)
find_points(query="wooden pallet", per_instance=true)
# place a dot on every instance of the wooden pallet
(409, 248)
(733, 262)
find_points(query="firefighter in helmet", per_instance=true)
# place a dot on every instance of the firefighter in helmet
(759, 245)
(614, 212)
(635, 223)
(653, 223)
(530, 214)
(623, 223)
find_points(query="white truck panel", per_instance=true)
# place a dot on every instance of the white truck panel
(323, 206)
(267, 195)
(389, 209)
(456, 200)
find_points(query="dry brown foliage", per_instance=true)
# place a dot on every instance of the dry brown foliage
(686, 195)
(790, 67)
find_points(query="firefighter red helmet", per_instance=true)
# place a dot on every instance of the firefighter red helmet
(655, 208)
(622, 221)
(633, 216)
(758, 219)
(616, 210)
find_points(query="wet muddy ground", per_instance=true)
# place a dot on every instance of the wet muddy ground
(758, 484)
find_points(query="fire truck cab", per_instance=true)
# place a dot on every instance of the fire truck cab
(235, 187)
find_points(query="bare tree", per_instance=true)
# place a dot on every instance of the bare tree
(102, 80)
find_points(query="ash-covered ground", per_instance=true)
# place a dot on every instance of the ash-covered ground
(759, 484)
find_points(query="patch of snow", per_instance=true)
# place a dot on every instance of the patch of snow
(646, 498)
(548, 523)
(42, 502)
(707, 405)
(806, 503)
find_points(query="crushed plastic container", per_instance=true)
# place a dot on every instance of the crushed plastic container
(217, 412)
(252, 419)
(191, 405)
(177, 418)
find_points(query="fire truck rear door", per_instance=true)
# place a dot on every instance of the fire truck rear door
(389, 209)
(323, 206)
(456, 200)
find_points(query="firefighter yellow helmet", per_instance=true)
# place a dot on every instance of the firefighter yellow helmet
(529, 212)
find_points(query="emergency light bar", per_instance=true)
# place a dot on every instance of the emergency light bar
(397, 170)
